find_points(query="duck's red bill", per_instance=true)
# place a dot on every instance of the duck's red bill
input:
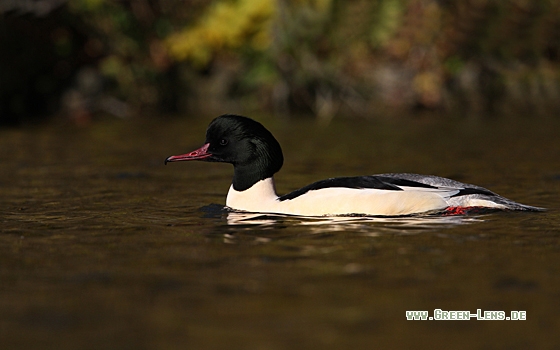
(201, 153)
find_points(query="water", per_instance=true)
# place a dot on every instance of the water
(102, 246)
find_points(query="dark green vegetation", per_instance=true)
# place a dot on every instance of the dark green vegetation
(326, 57)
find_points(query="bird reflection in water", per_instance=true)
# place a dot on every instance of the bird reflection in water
(370, 225)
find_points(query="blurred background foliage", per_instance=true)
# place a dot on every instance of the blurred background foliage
(366, 58)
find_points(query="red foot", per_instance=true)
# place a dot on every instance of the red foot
(458, 210)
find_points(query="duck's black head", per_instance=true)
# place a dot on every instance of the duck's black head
(243, 142)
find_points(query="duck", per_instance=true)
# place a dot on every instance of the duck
(256, 156)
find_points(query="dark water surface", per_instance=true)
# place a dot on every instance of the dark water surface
(104, 247)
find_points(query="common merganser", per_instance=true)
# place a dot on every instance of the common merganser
(256, 156)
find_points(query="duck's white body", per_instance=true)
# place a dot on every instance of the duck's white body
(262, 197)
(256, 156)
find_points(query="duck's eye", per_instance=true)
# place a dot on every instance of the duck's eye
(223, 142)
